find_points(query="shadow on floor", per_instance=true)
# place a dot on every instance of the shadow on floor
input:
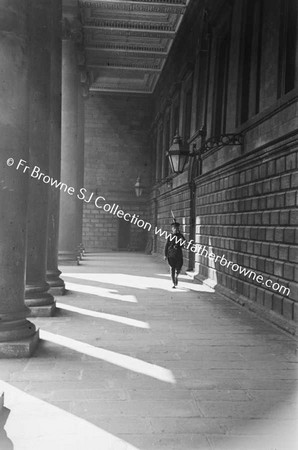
(5, 442)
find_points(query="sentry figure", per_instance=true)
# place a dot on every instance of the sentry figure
(173, 252)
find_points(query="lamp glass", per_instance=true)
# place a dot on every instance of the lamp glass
(174, 162)
(177, 159)
(182, 162)
(177, 155)
(139, 191)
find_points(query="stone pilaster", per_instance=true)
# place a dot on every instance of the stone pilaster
(18, 336)
(37, 297)
(72, 164)
(57, 285)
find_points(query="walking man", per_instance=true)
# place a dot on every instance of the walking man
(173, 252)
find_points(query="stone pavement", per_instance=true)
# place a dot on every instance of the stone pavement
(128, 363)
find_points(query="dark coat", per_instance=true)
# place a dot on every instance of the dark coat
(173, 250)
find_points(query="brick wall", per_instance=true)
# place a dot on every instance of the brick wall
(101, 229)
(117, 150)
(248, 212)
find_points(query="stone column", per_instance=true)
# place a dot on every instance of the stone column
(72, 167)
(57, 285)
(18, 336)
(37, 297)
(82, 94)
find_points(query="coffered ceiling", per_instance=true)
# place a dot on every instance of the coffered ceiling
(127, 41)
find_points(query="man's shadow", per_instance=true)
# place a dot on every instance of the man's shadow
(5, 442)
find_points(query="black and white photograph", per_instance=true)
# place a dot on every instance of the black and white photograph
(148, 224)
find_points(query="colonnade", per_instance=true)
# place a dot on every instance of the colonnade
(40, 126)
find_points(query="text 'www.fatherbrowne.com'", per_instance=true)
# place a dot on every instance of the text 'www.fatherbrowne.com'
(202, 250)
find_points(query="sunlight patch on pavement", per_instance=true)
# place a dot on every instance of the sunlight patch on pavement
(37, 425)
(137, 282)
(118, 359)
(100, 292)
(100, 315)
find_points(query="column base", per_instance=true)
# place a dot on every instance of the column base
(39, 301)
(55, 290)
(64, 256)
(57, 285)
(23, 348)
(42, 310)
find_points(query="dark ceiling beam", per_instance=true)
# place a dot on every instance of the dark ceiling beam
(174, 7)
(120, 91)
(133, 52)
(141, 9)
(105, 32)
(124, 67)
(147, 28)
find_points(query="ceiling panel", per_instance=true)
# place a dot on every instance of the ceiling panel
(127, 41)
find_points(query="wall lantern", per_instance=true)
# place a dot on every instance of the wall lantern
(177, 155)
(138, 187)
